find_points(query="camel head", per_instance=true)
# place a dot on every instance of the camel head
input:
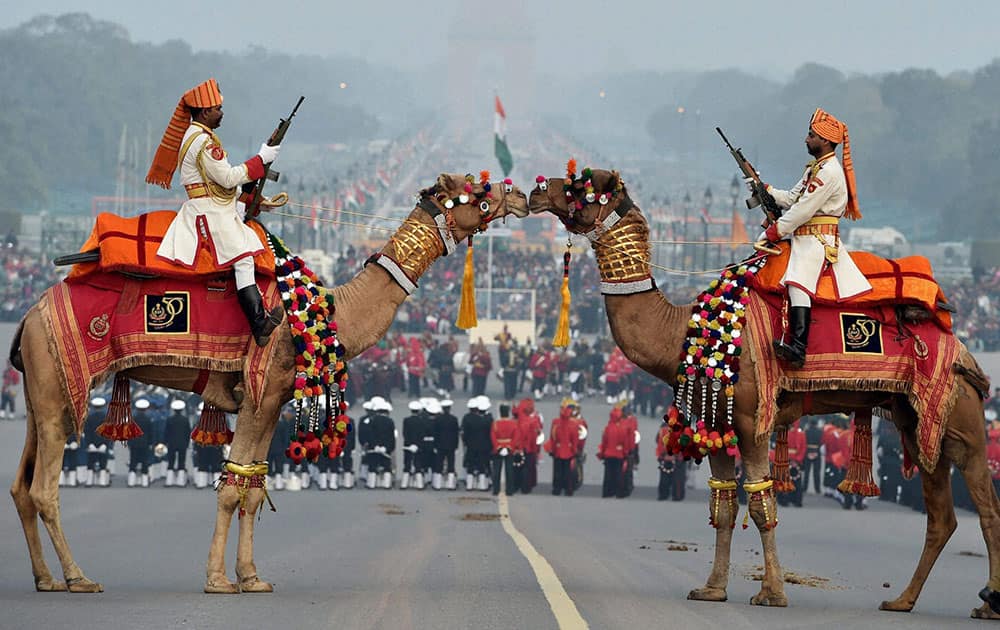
(579, 202)
(471, 204)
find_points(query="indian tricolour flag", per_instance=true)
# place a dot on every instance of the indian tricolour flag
(500, 139)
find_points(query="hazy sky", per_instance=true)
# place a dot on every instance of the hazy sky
(769, 36)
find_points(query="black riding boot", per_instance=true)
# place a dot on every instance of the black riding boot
(795, 352)
(261, 323)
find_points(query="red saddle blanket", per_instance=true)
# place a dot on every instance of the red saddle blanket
(130, 244)
(107, 322)
(894, 281)
(861, 349)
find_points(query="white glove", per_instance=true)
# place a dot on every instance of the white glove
(380, 449)
(749, 184)
(91, 448)
(102, 448)
(412, 448)
(269, 154)
(73, 445)
(504, 452)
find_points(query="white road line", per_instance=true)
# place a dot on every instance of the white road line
(566, 614)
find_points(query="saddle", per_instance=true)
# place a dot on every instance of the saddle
(904, 284)
(129, 245)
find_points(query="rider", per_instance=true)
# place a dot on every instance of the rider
(813, 209)
(211, 214)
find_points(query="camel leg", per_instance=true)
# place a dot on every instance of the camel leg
(977, 478)
(246, 570)
(722, 515)
(26, 510)
(941, 524)
(216, 581)
(763, 508)
(44, 495)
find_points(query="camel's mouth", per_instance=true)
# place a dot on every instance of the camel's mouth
(539, 202)
(518, 206)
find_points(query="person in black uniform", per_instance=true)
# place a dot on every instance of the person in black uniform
(478, 443)
(446, 433)
(276, 449)
(177, 437)
(343, 475)
(812, 466)
(98, 448)
(140, 449)
(413, 442)
(890, 461)
(71, 459)
(383, 444)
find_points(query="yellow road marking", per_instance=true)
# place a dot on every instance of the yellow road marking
(566, 614)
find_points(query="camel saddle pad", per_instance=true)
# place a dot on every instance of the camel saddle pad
(861, 349)
(894, 281)
(130, 244)
(108, 322)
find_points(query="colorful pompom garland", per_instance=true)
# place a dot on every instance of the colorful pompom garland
(320, 370)
(710, 360)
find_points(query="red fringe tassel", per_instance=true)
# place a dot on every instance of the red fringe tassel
(859, 471)
(779, 470)
(212, 429)
(118, 425)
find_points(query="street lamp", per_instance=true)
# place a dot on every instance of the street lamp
(706, 204)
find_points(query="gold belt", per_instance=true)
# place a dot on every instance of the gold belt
(196, 191)
(807, 229)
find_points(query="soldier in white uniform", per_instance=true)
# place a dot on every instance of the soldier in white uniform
(813, 209)
(211, 216)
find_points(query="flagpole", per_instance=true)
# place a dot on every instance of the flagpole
(489, 277)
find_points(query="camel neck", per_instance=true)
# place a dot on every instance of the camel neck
(415, 245)
(623, 253)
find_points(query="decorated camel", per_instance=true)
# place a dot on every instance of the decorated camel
(454, 208)
(760, 396)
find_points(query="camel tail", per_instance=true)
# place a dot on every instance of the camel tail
(973, 373)
(15, 348)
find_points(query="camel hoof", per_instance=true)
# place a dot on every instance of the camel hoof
(48, 585)
(896, 605)
(83, 585)
(764, 598)
(991, 597)
(254, 584)
(984, 612)
(221, 586)
(708, 594)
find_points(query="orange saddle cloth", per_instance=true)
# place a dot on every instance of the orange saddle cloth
(894, 281)
(130, 244)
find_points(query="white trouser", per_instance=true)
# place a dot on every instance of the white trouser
(798, 297)
(244, 270)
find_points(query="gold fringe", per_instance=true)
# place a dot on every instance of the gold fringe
(467, 305)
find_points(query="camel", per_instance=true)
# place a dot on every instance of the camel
(622, 252)
(365, 308)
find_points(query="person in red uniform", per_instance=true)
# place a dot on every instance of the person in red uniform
(562, 446)
(530, 426)
(416, 365)
(481, 363)
(616, 443)
(796, 461)
(581, 433)
(506, 440)
(632, 457)
(538, 365)
(831, 448)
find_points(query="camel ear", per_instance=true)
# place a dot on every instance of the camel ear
(614, 181)
(444, 182)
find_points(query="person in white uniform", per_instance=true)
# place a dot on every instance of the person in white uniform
(812, 212)
(212, 215)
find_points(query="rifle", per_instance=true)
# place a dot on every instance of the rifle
(277, 136)
(760, 195)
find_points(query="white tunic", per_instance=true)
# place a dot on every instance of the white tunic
(214, 219)
(821, 192)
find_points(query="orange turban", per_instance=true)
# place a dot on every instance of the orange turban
(164, 164)
(829, 128)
